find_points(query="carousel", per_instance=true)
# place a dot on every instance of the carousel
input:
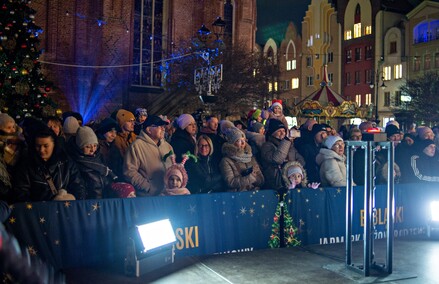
(326, 105)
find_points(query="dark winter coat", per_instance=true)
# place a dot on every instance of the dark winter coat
(204, 175)
(30, 183)
(181, 142)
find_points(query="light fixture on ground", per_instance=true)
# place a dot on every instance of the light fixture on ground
(433, 224)
(150, 247)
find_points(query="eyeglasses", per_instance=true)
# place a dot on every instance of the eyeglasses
(204, 146)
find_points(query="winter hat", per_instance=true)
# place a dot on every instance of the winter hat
(76, 115)
(393, 122)
(273, 126)
(141, 111)
(250, 114)
(330, 141)
(422, 130)
(179, 171)
(233, 134)
(70, 125)
(224, 125)
(123, 116)
(122, 189)
(85, 136)
(316, 128)
(5, 118)
(422, 144)
(256, 114)
(236, 122)
(276, 103)
(257, 127)
(391, 129)
(106, 125)
(184, 120)
(294, 170)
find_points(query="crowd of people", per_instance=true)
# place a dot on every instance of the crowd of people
(139, 154)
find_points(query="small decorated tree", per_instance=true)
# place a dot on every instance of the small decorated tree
(290, 231)
(23, 88)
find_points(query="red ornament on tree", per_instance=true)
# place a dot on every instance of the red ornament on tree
(37, 106)
(23, 45)
(47, 89)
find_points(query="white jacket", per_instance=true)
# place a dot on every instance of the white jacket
(332, 168)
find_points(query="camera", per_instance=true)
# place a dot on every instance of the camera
(294, 133)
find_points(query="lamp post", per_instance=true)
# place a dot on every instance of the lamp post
(208, 79)
(376, 99)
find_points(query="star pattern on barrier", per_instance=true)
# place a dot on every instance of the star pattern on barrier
(265, 224)
(57, 242)
(67, 204)
(12, 220)
(338, 190)
(42, 220)
(301, 222)
(317, 216)
(262, 206)
(95, 206)
(224, 212)
(307, 200)
(254, 203)
(251, 211)
(29, 206)
(243, 211)
(31, 250)
(192, 208)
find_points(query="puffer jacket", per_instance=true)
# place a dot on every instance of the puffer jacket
(332, 168)
(30, 183)
(232, 170)
(181, 142)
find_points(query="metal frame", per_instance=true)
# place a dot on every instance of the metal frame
(370, 148)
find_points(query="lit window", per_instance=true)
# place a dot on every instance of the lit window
(293, 64)
(358, 99)
(270, 87)
(275, 86)
(295, 83)
(288, 65)
(368, 30)
(398, 71)
(387, 73)
(357, 30)
(368, 98)
(348, 35)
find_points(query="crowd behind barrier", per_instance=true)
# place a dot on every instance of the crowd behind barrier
(95, 232)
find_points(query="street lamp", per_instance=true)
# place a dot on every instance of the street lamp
(383, 86)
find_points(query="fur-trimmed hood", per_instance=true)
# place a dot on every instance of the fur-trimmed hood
(285, 173)
(230, 150)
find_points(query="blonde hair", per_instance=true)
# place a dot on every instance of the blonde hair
(208, 140)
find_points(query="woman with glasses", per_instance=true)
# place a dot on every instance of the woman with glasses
(204, 174)
(332, 162)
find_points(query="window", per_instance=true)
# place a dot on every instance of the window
(331, 77)
(348, 56)
(368, 76)
(286, 85)
(368, 30)
(397, 98)
(357, 77)
(387, 73)
(416, 64)
(295, 83)
(348, 78)
(398, 71)
(357, 54)
(392, 47)
(427, 61)
(358, 99)
(270, 87)
(275, 86)
(348, 35)
(436, 60)
(357, 30)
(310, 80)
(387, 99)
(288, 65)
(308, 61)
(368, 54)
(426, 31)
(368, 98)
(330, 57)
(293, 64)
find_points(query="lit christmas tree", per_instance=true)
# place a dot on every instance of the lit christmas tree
(290, 231)
(23, 88)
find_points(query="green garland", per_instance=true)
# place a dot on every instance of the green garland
(290, 231)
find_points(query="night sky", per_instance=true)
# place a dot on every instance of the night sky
(274, 15)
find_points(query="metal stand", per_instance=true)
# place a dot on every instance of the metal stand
(370, 148)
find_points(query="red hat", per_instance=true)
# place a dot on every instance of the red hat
(276, 103)
(122, 189)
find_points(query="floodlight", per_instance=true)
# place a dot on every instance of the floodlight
(433, 224)
(150, 246)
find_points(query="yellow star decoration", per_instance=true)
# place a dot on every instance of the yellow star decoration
(42, 220)
(95, 206)
(29, 206)
(338, 190)
(31, 250)
(67, 204)
(12, 220)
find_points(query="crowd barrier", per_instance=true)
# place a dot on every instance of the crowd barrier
(95, 232)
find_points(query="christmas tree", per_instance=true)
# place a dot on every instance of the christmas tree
(290, 231)
(23, 88)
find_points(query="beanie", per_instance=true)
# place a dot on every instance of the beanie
(70, 125)
(141, 111)
(224, 125)
(330, 141)
(273, 126)
(85, 136)
(123, 116)
(422, 130)
(391, 129)
(233, 134)
(276, 103)
(5, 118)
(294, 170)
(122, 189)
(106, 125)
(250, 114)
(257, 127)
(184, 120)
(76, 115)
(256, 114)
(179, 171)
(316, 128)
(393, 122)
(422, 144)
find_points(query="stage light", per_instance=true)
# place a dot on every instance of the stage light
(150, 246)
(433, 224)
